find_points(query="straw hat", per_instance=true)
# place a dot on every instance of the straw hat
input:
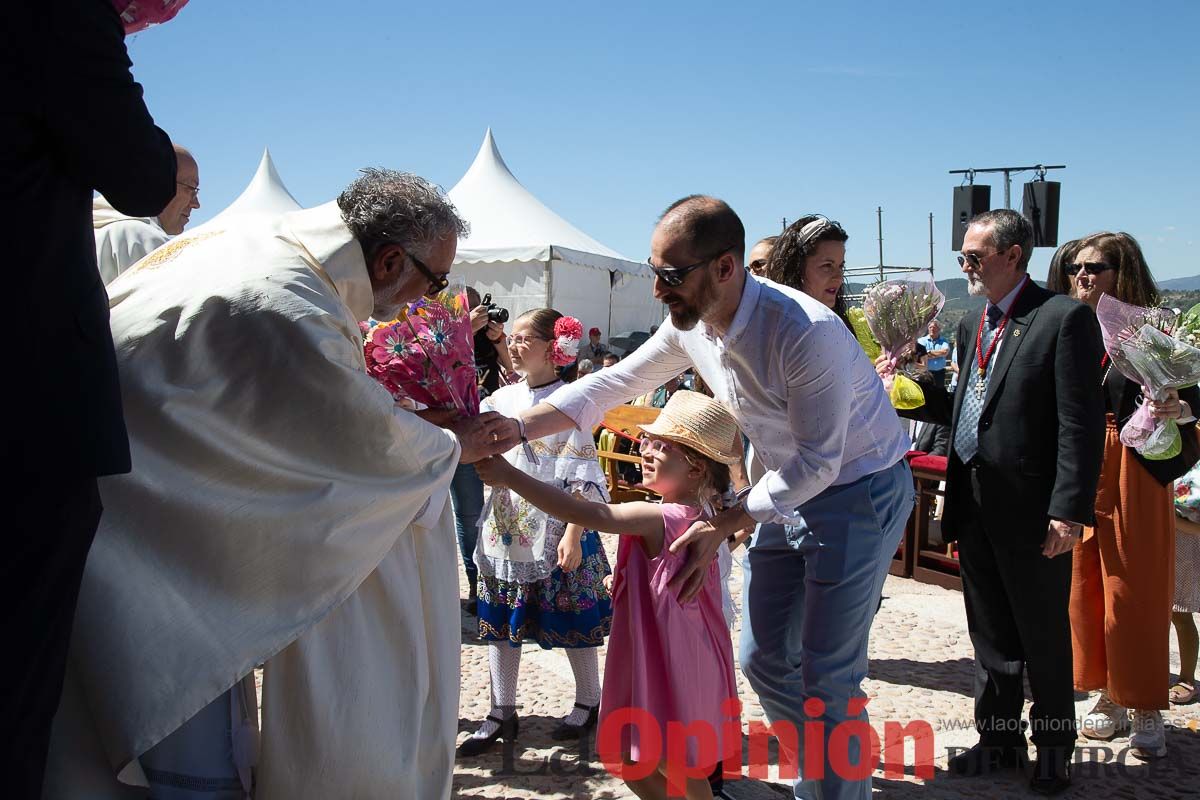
(701, 423)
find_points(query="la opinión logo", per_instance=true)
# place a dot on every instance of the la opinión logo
(698, 743)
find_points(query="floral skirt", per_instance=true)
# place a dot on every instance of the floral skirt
(567, 609)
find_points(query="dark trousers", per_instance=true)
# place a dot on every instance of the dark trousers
(1017, 613)
(466, 495)
(53, 521)
(939, 376)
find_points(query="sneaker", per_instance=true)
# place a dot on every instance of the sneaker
(1105, 720)
(1149, 739)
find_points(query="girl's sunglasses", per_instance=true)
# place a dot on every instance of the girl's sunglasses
(649, 445)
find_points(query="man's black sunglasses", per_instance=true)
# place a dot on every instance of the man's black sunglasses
(674, 276)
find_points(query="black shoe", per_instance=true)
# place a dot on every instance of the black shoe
(1052, 771)
(472, 607)
(507, 731)
(565, 732)
(985, 759)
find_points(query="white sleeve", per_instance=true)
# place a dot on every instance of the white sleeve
(819, 400)
(586, 400)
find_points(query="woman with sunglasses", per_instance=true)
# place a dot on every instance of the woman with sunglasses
(811, 256)
(1062, 270)
(1121, 586)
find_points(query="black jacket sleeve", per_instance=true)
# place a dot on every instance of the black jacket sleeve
(1080, 409)
(95, 113)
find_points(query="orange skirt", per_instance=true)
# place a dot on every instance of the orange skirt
(1123, 583)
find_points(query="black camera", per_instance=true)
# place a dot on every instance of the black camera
(495, 312)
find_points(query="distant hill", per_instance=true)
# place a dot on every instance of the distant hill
(1191, 284)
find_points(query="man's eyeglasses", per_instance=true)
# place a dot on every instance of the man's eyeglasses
(1092, 268)
(437, 283)
(675, 276)
(194, 190)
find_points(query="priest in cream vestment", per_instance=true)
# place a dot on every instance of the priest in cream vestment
(122, 240)
(280, 510)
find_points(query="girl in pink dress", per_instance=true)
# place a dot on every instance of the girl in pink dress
(668, 675)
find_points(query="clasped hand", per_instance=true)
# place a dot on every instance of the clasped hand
(1170, 408)
(480, 436)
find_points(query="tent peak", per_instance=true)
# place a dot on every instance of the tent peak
(488, 158)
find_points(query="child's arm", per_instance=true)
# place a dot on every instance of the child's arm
(632, 519)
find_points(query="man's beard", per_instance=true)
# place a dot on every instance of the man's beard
(975, 286)
(386, 308)
(685, 316)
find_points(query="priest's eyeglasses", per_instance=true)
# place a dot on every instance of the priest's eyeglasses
(194, 191)
(675, 276)
(437, 283)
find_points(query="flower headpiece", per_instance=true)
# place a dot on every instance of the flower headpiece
(568, 332)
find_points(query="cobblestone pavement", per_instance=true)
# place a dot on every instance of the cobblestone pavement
(920, 670)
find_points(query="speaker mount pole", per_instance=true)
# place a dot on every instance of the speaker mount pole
(931, 244)
(879, 222)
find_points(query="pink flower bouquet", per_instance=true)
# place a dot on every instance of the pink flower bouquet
(427, 354)
(137, 15)
(1142, 345)
(897, 313)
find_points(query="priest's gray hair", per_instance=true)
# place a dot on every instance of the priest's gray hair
(383, 206)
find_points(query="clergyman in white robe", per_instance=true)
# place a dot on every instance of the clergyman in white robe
(280, 509)
(122, 240)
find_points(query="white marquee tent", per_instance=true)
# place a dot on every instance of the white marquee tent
(529, 257)
(264, 196)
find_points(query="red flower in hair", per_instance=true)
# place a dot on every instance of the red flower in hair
(568, 332)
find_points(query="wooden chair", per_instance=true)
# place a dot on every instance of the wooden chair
(927, 562)
(625, 419)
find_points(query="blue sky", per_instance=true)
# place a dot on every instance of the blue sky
(609, 111)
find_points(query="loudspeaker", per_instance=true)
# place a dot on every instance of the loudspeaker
(1040, 206)
(968, 201)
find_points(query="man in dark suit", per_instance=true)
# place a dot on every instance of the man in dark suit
(73, 121)
(931, 438)
(1027, 444)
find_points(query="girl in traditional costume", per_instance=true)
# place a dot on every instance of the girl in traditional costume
(541, 579)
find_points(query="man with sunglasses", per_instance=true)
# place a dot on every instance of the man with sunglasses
(1027, 441)
(122, 240)
(281, 509)
(831, 490)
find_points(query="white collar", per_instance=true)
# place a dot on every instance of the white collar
(332, 249)
(741, 318)
(1005, 304)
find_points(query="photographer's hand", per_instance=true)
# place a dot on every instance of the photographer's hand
(479, 319)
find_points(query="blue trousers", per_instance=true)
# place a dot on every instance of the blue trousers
(811, 593)
(466, 495)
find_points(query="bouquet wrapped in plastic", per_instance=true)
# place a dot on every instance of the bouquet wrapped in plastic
(427, 354)
(137, 15)
(896, 313)
(862, 332)
(1188, 329)
(1141, 345)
